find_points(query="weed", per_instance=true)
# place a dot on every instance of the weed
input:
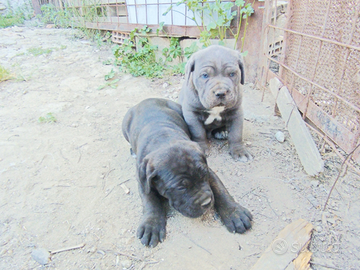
(140, 62)
(110, 75)
(217, 16)
(5, 74)
(177, 69)
(71, 17)
(59, 17)
(36, 51)
(107, 62)
(109, 78)
(112, 84)
(16, 17)
(10, 20)
(193, 48)
(48, 118)
(174, 51)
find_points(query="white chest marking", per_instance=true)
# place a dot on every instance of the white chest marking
(214, 114)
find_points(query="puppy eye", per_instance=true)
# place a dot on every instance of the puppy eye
(232, 74)
(205, 76)
(181, 188)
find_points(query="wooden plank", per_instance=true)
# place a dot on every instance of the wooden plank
(305, 147)
(112, 19)
(285, 249)
(171, 30)
(302, 262)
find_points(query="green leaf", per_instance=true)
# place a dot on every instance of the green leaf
(240, 3)
(110, 75)
(220, 21)
(168, 10)
(244, 53)
(211, 25)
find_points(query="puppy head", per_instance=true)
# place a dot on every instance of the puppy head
(180, 174)
(215, 75)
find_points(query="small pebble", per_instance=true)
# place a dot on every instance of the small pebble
(92, 249)
(165, 85)
(41, 255)
(314, 183)
(126, 264)
(280, 137)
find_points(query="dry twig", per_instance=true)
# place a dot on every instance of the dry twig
(338, 176)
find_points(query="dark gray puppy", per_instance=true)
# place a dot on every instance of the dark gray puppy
(173, 168)
(211, 98)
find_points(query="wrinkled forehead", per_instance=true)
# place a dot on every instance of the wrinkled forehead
(218, 59)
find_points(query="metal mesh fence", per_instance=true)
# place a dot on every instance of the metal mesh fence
(322, 57)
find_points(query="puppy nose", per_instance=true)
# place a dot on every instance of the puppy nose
(220, 94)
(206, 202)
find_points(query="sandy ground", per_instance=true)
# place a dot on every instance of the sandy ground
(65, 183)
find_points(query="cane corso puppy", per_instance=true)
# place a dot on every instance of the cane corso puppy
(211, 98)
(171, 167)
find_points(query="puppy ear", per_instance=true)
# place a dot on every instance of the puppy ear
(200, 160)
(189, 68)
(146, 172)
(242, 70)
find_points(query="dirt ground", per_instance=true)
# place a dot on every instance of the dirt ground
(65, 183)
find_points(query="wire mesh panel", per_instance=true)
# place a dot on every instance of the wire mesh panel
(321, 66)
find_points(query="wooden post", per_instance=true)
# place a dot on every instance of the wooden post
(36, 6)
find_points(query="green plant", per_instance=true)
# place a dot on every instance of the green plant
(178, 68)
(188, 51)
(112, 84)
(59, 17)
(245, 13)
(71, 17)
(109, 78)
(48, 118)
(139, 62)
(110, 75)
(10, 20)
(36, 51)
(17, 16)
(174, 51)
(5, 74)
(215, 18)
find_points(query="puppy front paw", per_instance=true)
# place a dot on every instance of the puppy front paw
(221, 135)
(237, 220)
(151, 231)
(239, 152)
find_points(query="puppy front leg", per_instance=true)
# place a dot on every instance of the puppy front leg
(236, 146)
(197, 131)
(152, 226)
(237, 219)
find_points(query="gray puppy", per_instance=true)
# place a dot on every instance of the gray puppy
(211, 98)
(173, 168)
